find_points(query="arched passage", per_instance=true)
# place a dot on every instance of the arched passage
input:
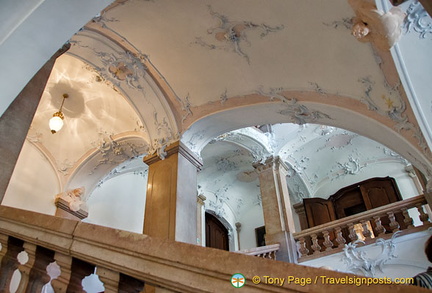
(335, 111)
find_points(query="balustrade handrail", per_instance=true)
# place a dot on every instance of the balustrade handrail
(175, 266)
(260, 250)
(367, 215)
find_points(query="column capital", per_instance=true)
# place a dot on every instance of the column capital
(71, 204)
(271, 162)
(176, 147)
(200, 199)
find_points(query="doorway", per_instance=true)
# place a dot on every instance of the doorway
(216, 233)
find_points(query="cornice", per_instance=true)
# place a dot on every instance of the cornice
(175, 148)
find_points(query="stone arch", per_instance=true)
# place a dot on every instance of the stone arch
(102, 162)
(402, 136)
(129, 72)
(310, 107)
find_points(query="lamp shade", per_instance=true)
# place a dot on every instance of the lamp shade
(56, 123)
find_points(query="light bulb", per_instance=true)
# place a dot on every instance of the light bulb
(55, 123)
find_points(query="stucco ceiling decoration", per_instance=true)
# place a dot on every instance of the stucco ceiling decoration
(111, 155)
(393, 106)
(251, 139)
(373, 25)
(418, 21)
(128, 73)
(232, 35)
(219, 89)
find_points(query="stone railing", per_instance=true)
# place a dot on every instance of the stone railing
(268, 251)
(52, 254)
(380, 222)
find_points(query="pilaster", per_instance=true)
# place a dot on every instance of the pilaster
(200, 220)
(171, 194)
(278, 218)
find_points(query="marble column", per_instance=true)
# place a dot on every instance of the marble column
(171, 204)
(16, 120)
(278, 218)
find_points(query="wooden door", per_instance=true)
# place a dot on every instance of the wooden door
(318, 211)
(379, 192)
(216, 233)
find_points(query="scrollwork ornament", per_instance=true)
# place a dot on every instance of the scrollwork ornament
(418, 20)
(357, 260)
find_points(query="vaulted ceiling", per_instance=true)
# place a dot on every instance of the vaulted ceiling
(142, 74)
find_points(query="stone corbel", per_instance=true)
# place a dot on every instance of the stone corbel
(71, 203)
(374, 26)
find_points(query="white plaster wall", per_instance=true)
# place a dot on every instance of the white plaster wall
(27, 191)
(250, 220)
(119, 203)
(410, 257)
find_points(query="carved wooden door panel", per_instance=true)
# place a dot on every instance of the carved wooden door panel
(379, 192)
(318, 211)
(216, 233)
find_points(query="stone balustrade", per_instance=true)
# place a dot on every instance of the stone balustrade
(65, 253)
(380, 222)
(268, 251)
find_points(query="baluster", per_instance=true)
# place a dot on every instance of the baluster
(315, 246)
(352, 233)
(366, 232)
(3, 248)
(379, 228)
(424, 217)
(339, 237)
(302, 247)
(65, 263)
(109, 278)
(394, 225)
(327, 242)
(79, 270)
(26, 266)
(10, 263)
(409, 223)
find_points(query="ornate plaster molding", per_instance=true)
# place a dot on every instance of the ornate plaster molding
(357, 260)
(375, 26)
(297, 112)
(130, 73)
(418, 20)
(71, 202)
(114, 152)
(232, 35)
(185, 106)
(174, 148)
(257, 143)
(396, 108)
